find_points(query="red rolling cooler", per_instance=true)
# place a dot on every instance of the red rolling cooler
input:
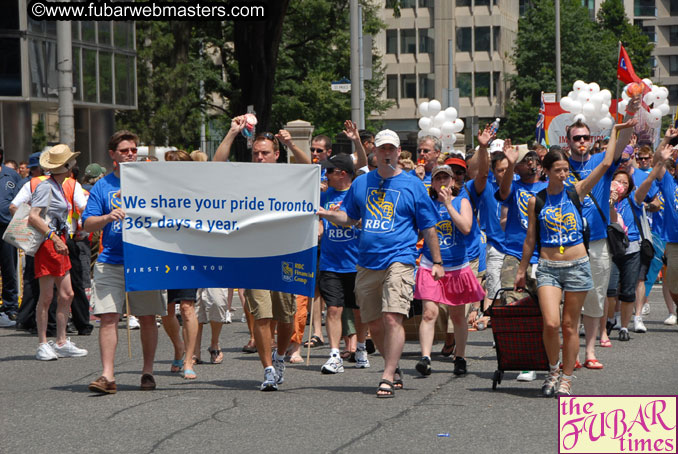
(518, 335)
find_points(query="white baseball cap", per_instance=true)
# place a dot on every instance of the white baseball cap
(386, 137)
(496, 146)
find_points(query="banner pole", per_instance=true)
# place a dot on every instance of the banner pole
(616, 114)
(310, 332)
(129, 335)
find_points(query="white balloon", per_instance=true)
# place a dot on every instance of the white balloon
(447, 129)
(433, 108)
(566, 103)
(647, 99)
(664, 109)
(621, 107)
(648, 82)
(655, 113)
(573, 95)
(422, 133)
(423, 109)
(575, 107)
(625, 96)
(435, 132)
(425, 123)
(594, 88)
(452, 140)
(664, 91)
(579, 85)
(439, 119)
(607, 96)
(597, 99)
(458, 125)
(605, 123)
(451, 114)
(579, 117)
(584, 97)
(604, 109)
(588, 109)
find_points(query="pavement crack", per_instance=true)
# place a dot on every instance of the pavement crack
(147, 402)
(213, 416)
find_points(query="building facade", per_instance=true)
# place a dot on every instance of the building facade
(104, 80)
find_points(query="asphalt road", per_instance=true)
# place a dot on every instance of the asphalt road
(46, 407)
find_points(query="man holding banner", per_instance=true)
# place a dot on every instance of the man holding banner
(104, 211)
(393, 206)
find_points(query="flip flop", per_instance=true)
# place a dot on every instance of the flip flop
(606, 343)
(314, 342)
(296, 360)
(177, 365)
(189, 374)
(197, 360)
(387, 391)
(216, 357)
(593, 364)
(249, 348)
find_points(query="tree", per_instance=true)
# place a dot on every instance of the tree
(589, 52)
(39, 137)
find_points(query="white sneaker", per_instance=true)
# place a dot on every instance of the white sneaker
(68, 349)
(5, 321)
(334, 365)
(229, 317)
(361, 360)
(638, 325)
(269, 383)
(45, 353)
(279, 366)
(646, 309)
(527, 375)
(617, 322)
(671, 320)
(134, 322)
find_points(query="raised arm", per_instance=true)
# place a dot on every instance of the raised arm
(528, 246)
(286, 139)
(585, 186)
(657, 173)
(224, 148)
(670, 134)
(463, 218)
(485, 136)
(351, 131)
(625, 134)
(507, 180)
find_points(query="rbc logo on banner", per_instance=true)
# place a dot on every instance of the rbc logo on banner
(381, 206)
(115, 201)
(287, 272)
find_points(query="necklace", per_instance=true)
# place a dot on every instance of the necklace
(559, 216)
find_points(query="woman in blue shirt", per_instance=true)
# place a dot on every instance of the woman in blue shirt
(459, 286)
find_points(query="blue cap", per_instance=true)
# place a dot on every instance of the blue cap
(34, 160)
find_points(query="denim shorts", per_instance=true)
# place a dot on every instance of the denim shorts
(571, 276)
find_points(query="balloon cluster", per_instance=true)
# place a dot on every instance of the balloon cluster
(656, 98)
(439, 123)
(590, 104)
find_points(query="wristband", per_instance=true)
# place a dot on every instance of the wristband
(438, 263)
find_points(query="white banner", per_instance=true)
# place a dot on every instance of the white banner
(216, 224)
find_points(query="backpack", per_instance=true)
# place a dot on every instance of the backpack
(572, 195)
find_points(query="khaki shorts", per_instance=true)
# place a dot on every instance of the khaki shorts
(508, 278)
(108, 294)
(601, 266)
(212, 305)
(269, 304)
(389, 290)
(672, 267)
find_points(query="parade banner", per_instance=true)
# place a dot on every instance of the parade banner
(556, 121)
(217, 224)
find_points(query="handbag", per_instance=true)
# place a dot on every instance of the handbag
(646, 246)
(617, 241)
(21, 234)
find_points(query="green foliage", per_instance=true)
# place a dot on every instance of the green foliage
(588, 52)
(39, 137)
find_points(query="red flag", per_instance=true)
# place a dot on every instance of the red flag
(625, 71)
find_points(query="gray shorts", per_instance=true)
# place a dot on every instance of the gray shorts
(108, 294)
(212, 305)
(571, 276)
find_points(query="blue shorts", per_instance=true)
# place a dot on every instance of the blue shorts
(571, 276)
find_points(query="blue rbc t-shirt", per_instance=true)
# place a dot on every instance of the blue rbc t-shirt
(669, 190)
(559, 222)
(516, 219)
(473, 238)
(624, 208)
(601, 191)
(339, 247)
(104, 198)
(453, 249)
(392, 211)
(640, 175)
(489, 213)
(426, 180)
(9, 186)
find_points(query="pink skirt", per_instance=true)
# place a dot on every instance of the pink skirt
(454, 289)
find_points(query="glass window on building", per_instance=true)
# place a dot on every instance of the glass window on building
(408, 3)
(123, 35)
(496, 83)
(10, 74)
(426, 41)
(649, 31)
(673, 94)
(124, 80)
(673, 65)
(644, 8)
(105, 77)
(482, 39)
(464, 84)
(482, 84)
(427, 86)
(425, 3)
(104, 32)
(89, 33)
(89, 75)
(673, 35)
(50, 28)
(392, 86)
(523, 5)
(408, 43)
(463, 3)
(408, 86)
(75, 30)
(481, 2)
(496, 38)
(674, 8)
(42, 64)
(77, 93)
(391, 41)
(9, 19)
(464, 39)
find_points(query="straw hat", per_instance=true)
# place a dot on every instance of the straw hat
(58, 159)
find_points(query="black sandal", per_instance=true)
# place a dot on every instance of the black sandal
(314, 342)
(215, 355)
(387, 391)
(398, 379)
(448, 349)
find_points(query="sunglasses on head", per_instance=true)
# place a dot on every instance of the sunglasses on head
(266, 135)
(581, 137)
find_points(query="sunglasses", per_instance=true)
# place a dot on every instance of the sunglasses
(459, 172)
(317, 150)
(581, 137)
(423, 150)
(624, 160)
(642, 158)
(266, 135)
(127, 150)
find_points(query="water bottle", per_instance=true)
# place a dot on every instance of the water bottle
(495, 125)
